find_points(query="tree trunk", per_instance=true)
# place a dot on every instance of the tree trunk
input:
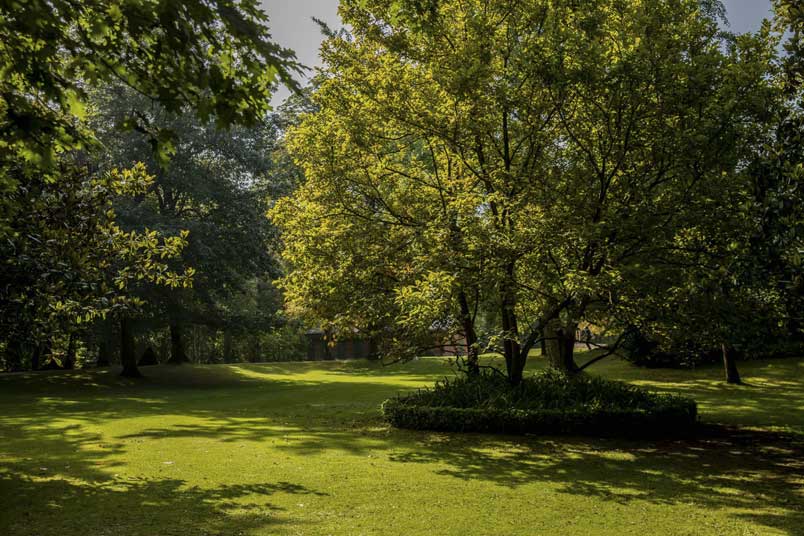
(517, 371)
(374, 348)
(69, 357)
(103, 353)
(560, 346)
(470, 336)
(730, 365)
(327, 348)
(105, 335)
(227, 347)
(514, 360)
(177, 354)
(513, 376)
(515, 356)
(128, 357)
(13, 355)
(148, 358)
(36, 356)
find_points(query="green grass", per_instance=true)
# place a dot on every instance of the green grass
(300, 449)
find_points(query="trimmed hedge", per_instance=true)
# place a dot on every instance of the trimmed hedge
(548, 403)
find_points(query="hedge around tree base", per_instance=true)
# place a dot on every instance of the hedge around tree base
(605, 423)
(657, 415)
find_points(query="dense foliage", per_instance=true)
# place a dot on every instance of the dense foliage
(67, 262)
(213, 56)
(739, 290)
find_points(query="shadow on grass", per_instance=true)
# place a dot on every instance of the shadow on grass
(758, 476)
(60, 481)
(37, 505)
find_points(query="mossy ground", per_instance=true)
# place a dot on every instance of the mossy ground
(301, 449)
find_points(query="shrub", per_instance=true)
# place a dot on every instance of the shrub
(547, 403)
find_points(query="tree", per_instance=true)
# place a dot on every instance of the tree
(734, 287)
(720, 296)
(217, 186)
(528, 158)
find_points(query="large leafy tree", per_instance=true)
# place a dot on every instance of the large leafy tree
(720, 288)
(739, 286)
(530, 159)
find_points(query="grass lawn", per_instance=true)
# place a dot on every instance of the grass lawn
(299, 449)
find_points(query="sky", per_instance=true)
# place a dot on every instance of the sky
(292, 25)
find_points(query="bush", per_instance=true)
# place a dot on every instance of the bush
(547, 403)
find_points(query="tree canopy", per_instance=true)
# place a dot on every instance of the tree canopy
(505, 170)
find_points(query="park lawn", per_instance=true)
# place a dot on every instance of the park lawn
(299, 448)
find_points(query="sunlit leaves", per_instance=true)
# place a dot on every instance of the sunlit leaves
(68, 261)
(539, 157)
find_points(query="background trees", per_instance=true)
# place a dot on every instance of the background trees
(523, 158)
(214, 58)
(217, 186)
(67, 262)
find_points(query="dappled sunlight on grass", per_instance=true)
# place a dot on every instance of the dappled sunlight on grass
(299, 448)
(343, 371)
(772, 395)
